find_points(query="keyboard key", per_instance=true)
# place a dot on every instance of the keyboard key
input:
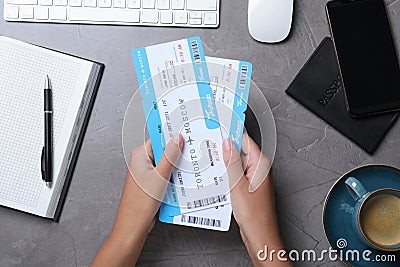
(22, 2)
(75, 2)
(42, 13)
(12, 12)
(210, 18)
(150, 4)
(166, 17)
(195, 21)
(133, 3)
(104, 15)
(201, 5)
(26, 12)
(90, 3)
(58, 13)
(181, 18)
(104, 3)
(60, 2)
(149, 16)
(178, 4)
(46, 2)
(163, 4)
(119, 3)
(195, 15)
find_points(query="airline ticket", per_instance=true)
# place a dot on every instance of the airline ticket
(177, 97)
(230, 82)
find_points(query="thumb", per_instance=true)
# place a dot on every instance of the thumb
(171, 154)
(233, 162)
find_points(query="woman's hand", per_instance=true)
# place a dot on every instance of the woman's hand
(252, 199)
(145, 186)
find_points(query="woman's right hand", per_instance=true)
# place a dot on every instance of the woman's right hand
(252, 199)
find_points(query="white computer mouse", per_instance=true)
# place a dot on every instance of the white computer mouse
(270, 20)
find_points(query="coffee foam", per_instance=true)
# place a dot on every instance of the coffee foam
(380, 219)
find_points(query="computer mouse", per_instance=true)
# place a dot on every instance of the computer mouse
(270, 21)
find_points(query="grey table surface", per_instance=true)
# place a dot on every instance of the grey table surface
(310, 154)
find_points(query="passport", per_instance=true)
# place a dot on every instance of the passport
(318, 87)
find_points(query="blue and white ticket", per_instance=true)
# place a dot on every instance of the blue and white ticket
(230, 81)
(177, 97)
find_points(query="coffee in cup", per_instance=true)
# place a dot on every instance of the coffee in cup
(380, 219)
(376, 219)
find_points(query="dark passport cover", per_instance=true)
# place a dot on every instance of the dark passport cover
(318, 87)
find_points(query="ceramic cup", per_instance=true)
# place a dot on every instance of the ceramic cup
(376, 217)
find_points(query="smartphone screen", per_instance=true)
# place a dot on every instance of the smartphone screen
(366, 54)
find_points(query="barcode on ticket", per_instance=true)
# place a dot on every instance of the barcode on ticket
(195, 49)
(206, 201)
(243, 76)
(200, 221)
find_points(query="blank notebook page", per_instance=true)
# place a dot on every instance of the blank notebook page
(23, 69)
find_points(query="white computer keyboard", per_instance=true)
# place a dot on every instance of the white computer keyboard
(182, 13)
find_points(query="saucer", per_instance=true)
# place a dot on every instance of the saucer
(339, 207)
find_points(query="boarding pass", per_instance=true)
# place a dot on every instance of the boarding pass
(174, 85)
(230, 82)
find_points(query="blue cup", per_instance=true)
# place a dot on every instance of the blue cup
(376, 216)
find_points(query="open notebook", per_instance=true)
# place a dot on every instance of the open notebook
(23, 68)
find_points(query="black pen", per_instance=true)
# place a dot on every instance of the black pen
(47, 152)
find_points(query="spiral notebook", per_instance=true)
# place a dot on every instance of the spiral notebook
(75, 81)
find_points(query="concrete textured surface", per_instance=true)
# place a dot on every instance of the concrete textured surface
(310, 155)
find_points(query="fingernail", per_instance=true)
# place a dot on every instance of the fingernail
(176, 139)
(252, 188)
(226, 144)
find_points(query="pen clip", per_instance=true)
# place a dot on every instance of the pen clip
(43, 166)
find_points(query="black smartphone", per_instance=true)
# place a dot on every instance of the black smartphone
(366, 55)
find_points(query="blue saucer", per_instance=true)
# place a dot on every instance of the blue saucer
(338, 209)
